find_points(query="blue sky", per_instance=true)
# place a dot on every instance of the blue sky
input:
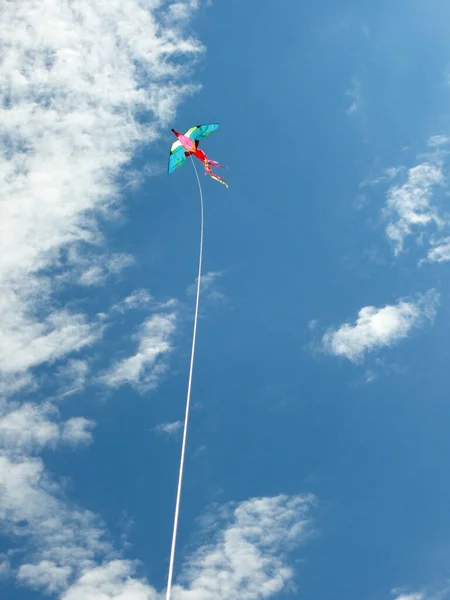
(317, 452)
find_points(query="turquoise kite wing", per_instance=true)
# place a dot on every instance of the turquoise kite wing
(177, 157)
(201, 131)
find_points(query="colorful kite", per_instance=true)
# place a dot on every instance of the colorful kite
(187, 145)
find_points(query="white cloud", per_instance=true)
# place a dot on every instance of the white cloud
(25, 342)
(181, 10)
(95, 270)
(208, 285)
(416, 596)
(440, 252)
(111, 581)
(63, 542)
(81, 86)
(438, 140)
(31, 507)
(144, 368)
(137, 299)
(208, 280)
(169, 428)
(77, 431)
(408, 206)
(375, 328)
(247, 559)
(45, 575)
(69, 91)
(15, 383)
(28, 428)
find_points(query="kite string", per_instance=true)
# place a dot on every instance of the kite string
(188, 397)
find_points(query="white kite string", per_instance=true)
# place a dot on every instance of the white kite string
(188, 398)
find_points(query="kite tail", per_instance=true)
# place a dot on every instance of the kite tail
(210, 172)
(215, 164)
(219, 179)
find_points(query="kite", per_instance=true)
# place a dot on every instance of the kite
(187, 145)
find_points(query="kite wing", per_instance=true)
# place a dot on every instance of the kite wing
(201, 131)
(177, 157)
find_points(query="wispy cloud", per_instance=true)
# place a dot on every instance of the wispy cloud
(356, 98)
(5, 567)
(376, 328)
(408, 206)
(169, 428)
(182, 10)
(26, 342)
(137, 299)
(144, 368)
(356, 108)
(440, 251)
(72, 377)
(208, 284)
(416, 596)
(436, 141)
(386, 175)
(95, 270)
